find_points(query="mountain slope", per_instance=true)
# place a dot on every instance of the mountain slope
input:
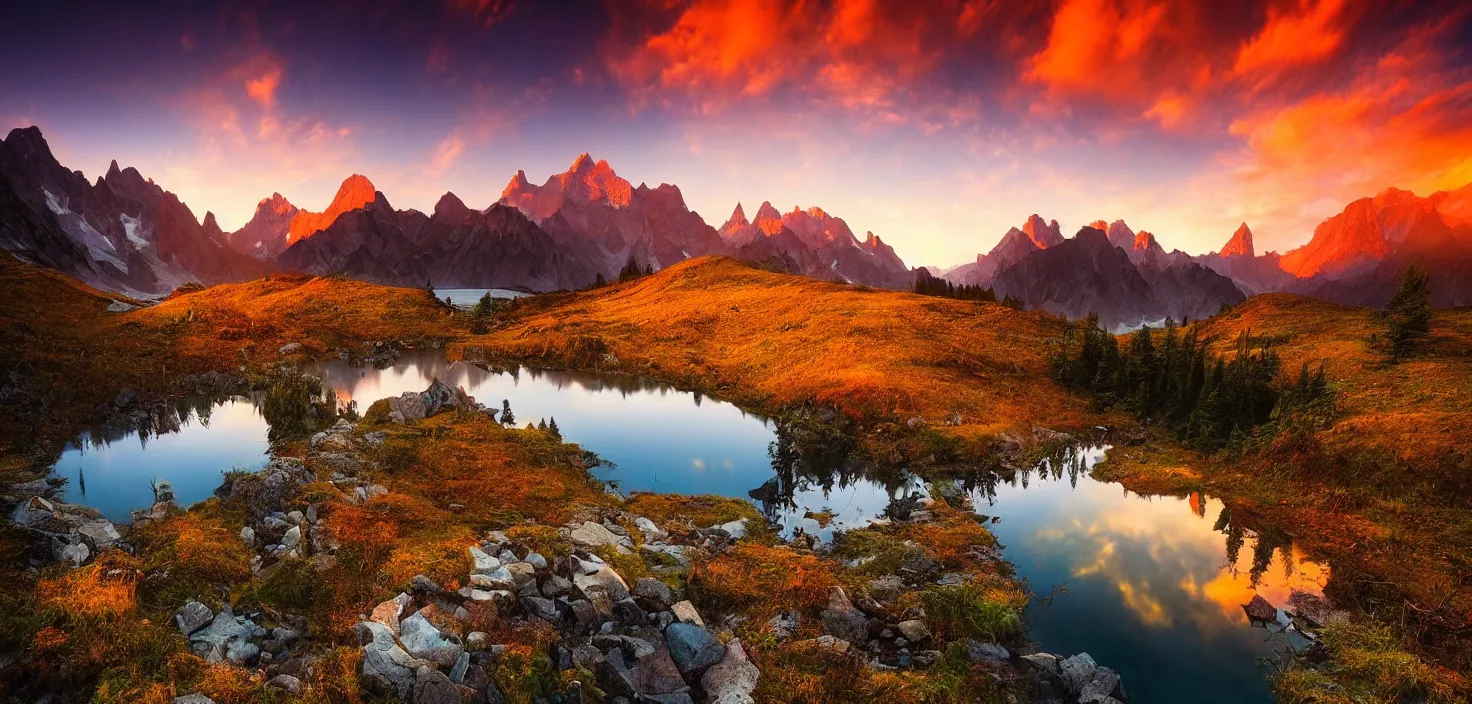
(816, 244)
(121, 233)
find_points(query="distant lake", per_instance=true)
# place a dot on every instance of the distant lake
(468, 297)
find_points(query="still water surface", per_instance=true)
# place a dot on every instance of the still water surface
(1151, 586)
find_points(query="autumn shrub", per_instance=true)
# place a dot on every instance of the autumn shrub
(762, 579)
(972, 610)
(1366, 663)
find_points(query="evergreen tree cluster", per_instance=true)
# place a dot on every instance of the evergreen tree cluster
(1408, 314)
(633, 270)
(1209, 400)
(480, 322)
(936, 286)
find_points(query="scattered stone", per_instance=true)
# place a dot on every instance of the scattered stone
(842, 620)
(733, 679)
(657, 673)
(286, 682)
(736, 529)
(536, 560)
(388, 612)
(290, 348)
(387, 670)
(248, 535)
(886, 588)
(193, 616)
(432, 687)
(649, 529)
(120, 307)
(826, 642)
(1046, 662)
(1313, 609)
(652, 594)
(686, 613)
(593, 535)
(195, 698)
(914, 630)
(422, 640)
(693, 648)
(75, 554)
(977, 651)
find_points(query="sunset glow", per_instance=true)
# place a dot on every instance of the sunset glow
(936, 125)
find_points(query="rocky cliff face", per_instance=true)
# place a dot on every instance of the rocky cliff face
(817, 244)
(264, 236)
(1088, 273)
(122, 233)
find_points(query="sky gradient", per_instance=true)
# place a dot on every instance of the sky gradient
(935, 124)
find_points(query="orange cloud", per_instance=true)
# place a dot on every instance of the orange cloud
(446, 153)
(1098, 47)
(1310, 33)
(262, 89)
(862, 55)
(1405, 121)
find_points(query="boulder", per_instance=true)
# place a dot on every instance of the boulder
(686, 613)
(733, 679)
(432, 687)
(286, 682)
(440, 397)
(656, 673)
(649, 529)
(290, 348)
(99, 533)
(75, 554)
(652, 594)
(227, 639)
(499, 578)
(602, 588)
(388, 612)
(195, 698)
(266, 491)
(193, 616)
(387, 669)
(424, 641)
(592, 535)
(693, 648)
(409, 406)
(842, 620)
(914, 630)
(977, 651)
(1315, 611)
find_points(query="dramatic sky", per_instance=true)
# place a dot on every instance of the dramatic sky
(936, 124)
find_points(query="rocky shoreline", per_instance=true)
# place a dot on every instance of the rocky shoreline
(604, 636)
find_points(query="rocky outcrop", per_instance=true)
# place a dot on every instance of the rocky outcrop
(63, 532)
(264, 236)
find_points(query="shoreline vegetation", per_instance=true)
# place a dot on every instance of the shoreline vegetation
(1376, 485)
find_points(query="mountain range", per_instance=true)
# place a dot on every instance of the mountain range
(125, 233)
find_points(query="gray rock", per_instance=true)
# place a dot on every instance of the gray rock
(1100, 688)
(432, 687)
(652, 594)
(75, 554)
(286, 682)
(99, 533)
(603, 587)
(462, 666)
(226, 639)
(536, 560)
(290, 348)
(977, 651)
(192, 617)
(615, 677)
(499, 578)
(542, 608)
(477, 640)
(125, 398)
(422, 640)
(484, 562)
(649, 529)
(733, 679)
(842, 620)
(693, 648)
(248, 535)
(735, 529)
(521, 573)
(886, 588)
(556, 585)
(408, 405)
(293, 538)
(1046, 662)
(686, 613)
(120, 307)
(656, 673)
(591, 535)
(914, 630)
(387, 670)
(193, 699)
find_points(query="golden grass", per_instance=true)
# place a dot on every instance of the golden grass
(769, 340)
(1415, 411)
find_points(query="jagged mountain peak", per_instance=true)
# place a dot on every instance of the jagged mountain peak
(1241, 243)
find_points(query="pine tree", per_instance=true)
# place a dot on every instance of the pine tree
(507, 417)
(552, 428)
(542, 425)
(599, 281)
(1408, 314)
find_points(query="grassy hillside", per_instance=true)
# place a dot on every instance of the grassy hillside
(62, 353)
(771, 340)
(1416, 412)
